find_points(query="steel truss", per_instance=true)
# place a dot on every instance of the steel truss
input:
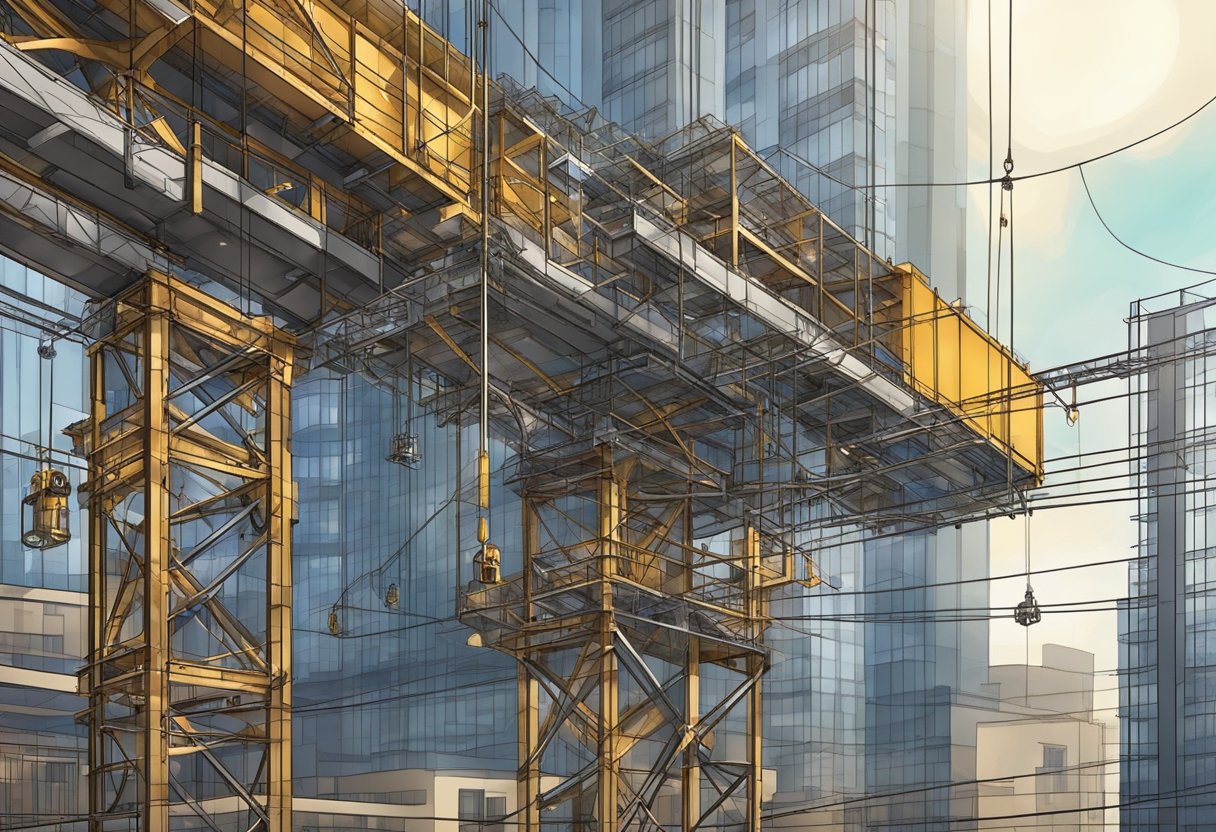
(190, 501)
(618, 616)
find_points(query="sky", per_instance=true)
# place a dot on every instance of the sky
(1088, 76)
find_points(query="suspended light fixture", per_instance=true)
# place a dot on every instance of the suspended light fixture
(489, 563)
(1028, 612)
(44, 510)
(405, 447)
(392, 597)
(1072, 413)
(335, 626)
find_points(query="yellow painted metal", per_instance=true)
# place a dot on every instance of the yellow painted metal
(196, 168)
(945, 356)
(592, 662)
(756, 608)
(690, 774)
(403, 94)
(438, 329)
(483, 485)
(386, 82)
(951, 360)
(281, 501)
(608, 758)
(44, 510)
(153, 766)
(91, 676)
(161, 486)
(734, 202)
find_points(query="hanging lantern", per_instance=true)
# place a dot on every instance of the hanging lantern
(405, 449)
(1072, 413)
(489, 564)
(44, 510)
(1028, 612)
(392, 597)
(335, 626)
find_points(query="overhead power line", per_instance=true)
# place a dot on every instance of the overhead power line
(1124, 243)
(1062, 168)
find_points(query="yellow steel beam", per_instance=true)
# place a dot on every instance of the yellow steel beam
(281, 514)
(325, 61)
(609, 510)
(755, 668)
(157, 551)
(690, 774)
(141, 459)
(438, 329)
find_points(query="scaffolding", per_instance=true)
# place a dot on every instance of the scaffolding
(190, 501)
(697, 377)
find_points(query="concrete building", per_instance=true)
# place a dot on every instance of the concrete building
(1041, 761)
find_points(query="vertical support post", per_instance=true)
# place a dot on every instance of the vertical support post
(755, 667)
(500, 177)
(419, 140)
(196, 167)
(282, 512)
(98, 603)
(734, 205)
(546, 214)
(528, 775)
(608, 758)
(690, 786)
(155, 758)
(822, 273)
(316, 199)
(487, 554)
(857, 308)
(607, 805)
(128, 98)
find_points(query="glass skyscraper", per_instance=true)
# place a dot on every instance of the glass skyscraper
(1167, 626)
(42, 592)
(839, 95)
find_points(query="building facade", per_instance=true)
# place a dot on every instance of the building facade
(43, 605)
(1041, 758)
(839, 96)
(1166, 648)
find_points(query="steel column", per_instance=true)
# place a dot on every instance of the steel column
(609, 513)
(190, 494)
